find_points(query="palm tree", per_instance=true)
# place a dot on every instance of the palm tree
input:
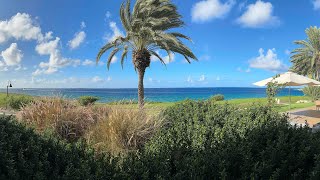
(146, 32)
(306, 58)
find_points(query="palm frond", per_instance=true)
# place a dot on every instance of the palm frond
(112, 54)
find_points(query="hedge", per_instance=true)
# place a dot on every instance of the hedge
(26, 155)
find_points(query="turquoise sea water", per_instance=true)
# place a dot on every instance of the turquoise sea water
(155, 94)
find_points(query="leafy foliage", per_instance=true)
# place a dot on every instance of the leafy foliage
(306, 58)
(272, 89)
(217, 97)
(16, 102)
(312, 91)
(87, 100)
(26, 155)
(207, 141)
(146, 29)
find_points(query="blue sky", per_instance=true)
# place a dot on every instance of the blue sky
(54, 43)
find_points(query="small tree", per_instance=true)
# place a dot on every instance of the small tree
(272, 90)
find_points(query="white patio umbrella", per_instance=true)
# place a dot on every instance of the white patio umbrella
(289, 79)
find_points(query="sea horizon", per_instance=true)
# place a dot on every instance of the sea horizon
(154, 94)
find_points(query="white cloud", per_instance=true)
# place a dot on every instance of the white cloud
(88, 62)
(316, 4)
(169, 58)
(98, 79)
(116, 32)
(20, 27)
(108, 15)
(218, 78)
(210, 9)
(114, 59)
(166, 58)
(152, 81)
(202, 78)
(268, 61)
(190, 80)
(77, 40)
(83, 25)
(56, 61)
(12, 56)
(258, 15)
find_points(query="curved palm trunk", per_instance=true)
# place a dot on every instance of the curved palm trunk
(141, 60)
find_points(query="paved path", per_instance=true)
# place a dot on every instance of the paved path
(6, 112)
(301, 116)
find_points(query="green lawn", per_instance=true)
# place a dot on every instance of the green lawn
(156, 107)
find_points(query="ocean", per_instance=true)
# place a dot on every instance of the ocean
(156, 94)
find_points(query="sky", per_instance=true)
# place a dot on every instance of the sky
(53, 44)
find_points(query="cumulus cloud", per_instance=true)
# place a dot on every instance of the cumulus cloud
(268, 61)
(116, 32)
(316, 4)
(77, 40)
(12, 56)
(20, 27)
(257, 15)
(210, 9)
(56, 61)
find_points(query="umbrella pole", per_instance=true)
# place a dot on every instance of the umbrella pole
(289, 99)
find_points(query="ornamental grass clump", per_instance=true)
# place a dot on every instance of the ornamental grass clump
(64, 118)
(123, 131)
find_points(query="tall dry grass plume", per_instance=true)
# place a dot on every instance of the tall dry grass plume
(64, 117)
(116, 129)
(123, 130)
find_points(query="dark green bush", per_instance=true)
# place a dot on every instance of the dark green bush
(217, 97)
(207, 141)
(87, 100)
(17, 101)
(26, 155)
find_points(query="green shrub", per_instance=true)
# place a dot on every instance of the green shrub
(87, 100)
(217, 97)
(312, 91)
(17, 101)
(26, 155)
(204, 140)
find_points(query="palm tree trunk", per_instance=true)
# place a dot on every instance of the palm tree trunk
(141, 72)
(141, 60)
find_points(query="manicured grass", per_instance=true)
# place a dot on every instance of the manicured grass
(156, 107)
